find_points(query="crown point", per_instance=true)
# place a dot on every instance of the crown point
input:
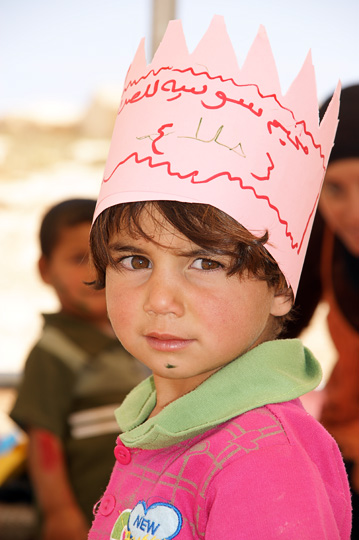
(259, 66)
(173, 48)
(329, 123)
(302, 95)
(215, 51)
(139, 63)
(262, 31)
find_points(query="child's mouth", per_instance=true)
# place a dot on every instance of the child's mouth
(167, 342)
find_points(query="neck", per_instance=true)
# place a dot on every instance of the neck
(169, 390)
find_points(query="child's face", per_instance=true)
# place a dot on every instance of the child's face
(339, 202)
(174, 307)
(68, 268)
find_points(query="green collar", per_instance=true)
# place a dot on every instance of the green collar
(273, 372)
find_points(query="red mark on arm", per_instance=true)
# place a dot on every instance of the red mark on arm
(48, 447)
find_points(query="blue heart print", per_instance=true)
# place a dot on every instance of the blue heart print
(160, 521)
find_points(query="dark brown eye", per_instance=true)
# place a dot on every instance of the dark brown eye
(206, 264)
(334, 189)
(135, 262)
(139, 262)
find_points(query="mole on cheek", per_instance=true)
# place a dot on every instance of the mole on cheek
(170, 366)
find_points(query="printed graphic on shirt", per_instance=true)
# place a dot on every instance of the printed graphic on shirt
(120, 531)
(159, 521)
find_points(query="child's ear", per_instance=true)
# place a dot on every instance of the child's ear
(281, 305)
(44, 269)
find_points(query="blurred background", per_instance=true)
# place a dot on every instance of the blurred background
(62, 65)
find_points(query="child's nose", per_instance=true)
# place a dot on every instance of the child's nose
(164, 295)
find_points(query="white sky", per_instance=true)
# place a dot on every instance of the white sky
(63, 51)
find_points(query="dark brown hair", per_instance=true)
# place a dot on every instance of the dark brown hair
(202, 224)
(68, 213)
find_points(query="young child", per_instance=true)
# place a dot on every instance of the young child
(74, 378)
(199, 236)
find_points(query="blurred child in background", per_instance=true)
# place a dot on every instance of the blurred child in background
(74, 378)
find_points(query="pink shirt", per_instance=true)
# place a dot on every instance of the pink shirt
(272, 472)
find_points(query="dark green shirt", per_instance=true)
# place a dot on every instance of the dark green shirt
(74, 378)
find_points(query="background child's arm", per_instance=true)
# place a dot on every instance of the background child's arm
(62, 516)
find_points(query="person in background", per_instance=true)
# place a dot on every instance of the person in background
(74, 378)
(331, 274)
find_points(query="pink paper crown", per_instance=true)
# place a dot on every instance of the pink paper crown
(196, 128)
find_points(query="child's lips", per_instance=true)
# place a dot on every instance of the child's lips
(167, 342)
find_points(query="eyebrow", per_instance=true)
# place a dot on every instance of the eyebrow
(117, 246)
(199, 252)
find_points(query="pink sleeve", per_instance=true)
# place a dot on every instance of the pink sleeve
(273, 493)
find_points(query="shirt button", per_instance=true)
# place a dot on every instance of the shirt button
(108, 503)
(122, 453)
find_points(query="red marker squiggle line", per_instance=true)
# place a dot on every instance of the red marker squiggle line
(151, 72)
(137, 96)
(296, 143)
(206, 74)
(212, 78)
(152, 166)
(161, 134)
(172, 88)
(288, 234)
(167, 86)
(224, 99)
(317, 146)
(193, 174)
(251, 85)
(270, 168)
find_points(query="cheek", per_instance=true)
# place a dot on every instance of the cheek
(219, 315)
(68, 278)
(119, 306)
(332, 211)
(242, 315)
